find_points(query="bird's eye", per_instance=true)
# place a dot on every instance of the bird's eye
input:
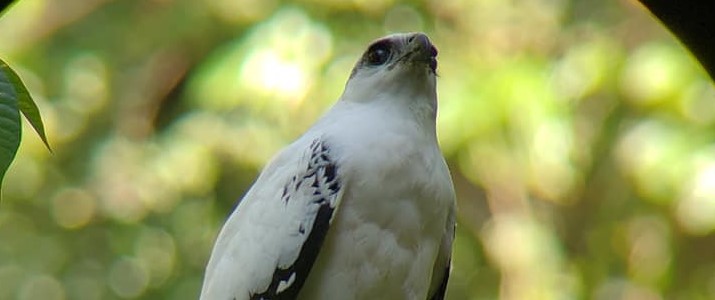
(378, 54)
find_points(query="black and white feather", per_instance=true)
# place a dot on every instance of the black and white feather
(317, 189)
(359, 207)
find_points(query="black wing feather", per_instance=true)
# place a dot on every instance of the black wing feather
(321, 173)
(442, 290)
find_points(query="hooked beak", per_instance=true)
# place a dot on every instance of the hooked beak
(423, 50)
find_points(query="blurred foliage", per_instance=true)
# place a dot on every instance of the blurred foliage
(580, 134)
(14, 99)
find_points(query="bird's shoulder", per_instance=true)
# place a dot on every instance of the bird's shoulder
(269, 243)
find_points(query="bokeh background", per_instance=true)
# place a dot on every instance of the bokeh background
(580, 134)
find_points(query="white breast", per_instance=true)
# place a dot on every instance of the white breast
(386, 235)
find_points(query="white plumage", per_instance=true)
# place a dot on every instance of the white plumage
(359, 207)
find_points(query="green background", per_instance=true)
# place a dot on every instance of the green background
(580, 134)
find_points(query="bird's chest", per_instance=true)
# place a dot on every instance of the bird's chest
(402, 194)
(387, 231)
(396, 180)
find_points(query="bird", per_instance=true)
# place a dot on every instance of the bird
(361, 206)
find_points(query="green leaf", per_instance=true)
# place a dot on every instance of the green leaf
(25, 103)
(10, 127)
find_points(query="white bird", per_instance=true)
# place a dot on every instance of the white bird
(361, 206)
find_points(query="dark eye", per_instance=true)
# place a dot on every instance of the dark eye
(378, 54)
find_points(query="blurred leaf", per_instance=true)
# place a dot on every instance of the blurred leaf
(9, 118)
(25, 103)
(5, 5)
(14, 97)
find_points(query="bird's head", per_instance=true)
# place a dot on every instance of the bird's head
(402, 65)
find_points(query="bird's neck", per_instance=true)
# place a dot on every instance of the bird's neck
(419, 108)
(418, 101)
